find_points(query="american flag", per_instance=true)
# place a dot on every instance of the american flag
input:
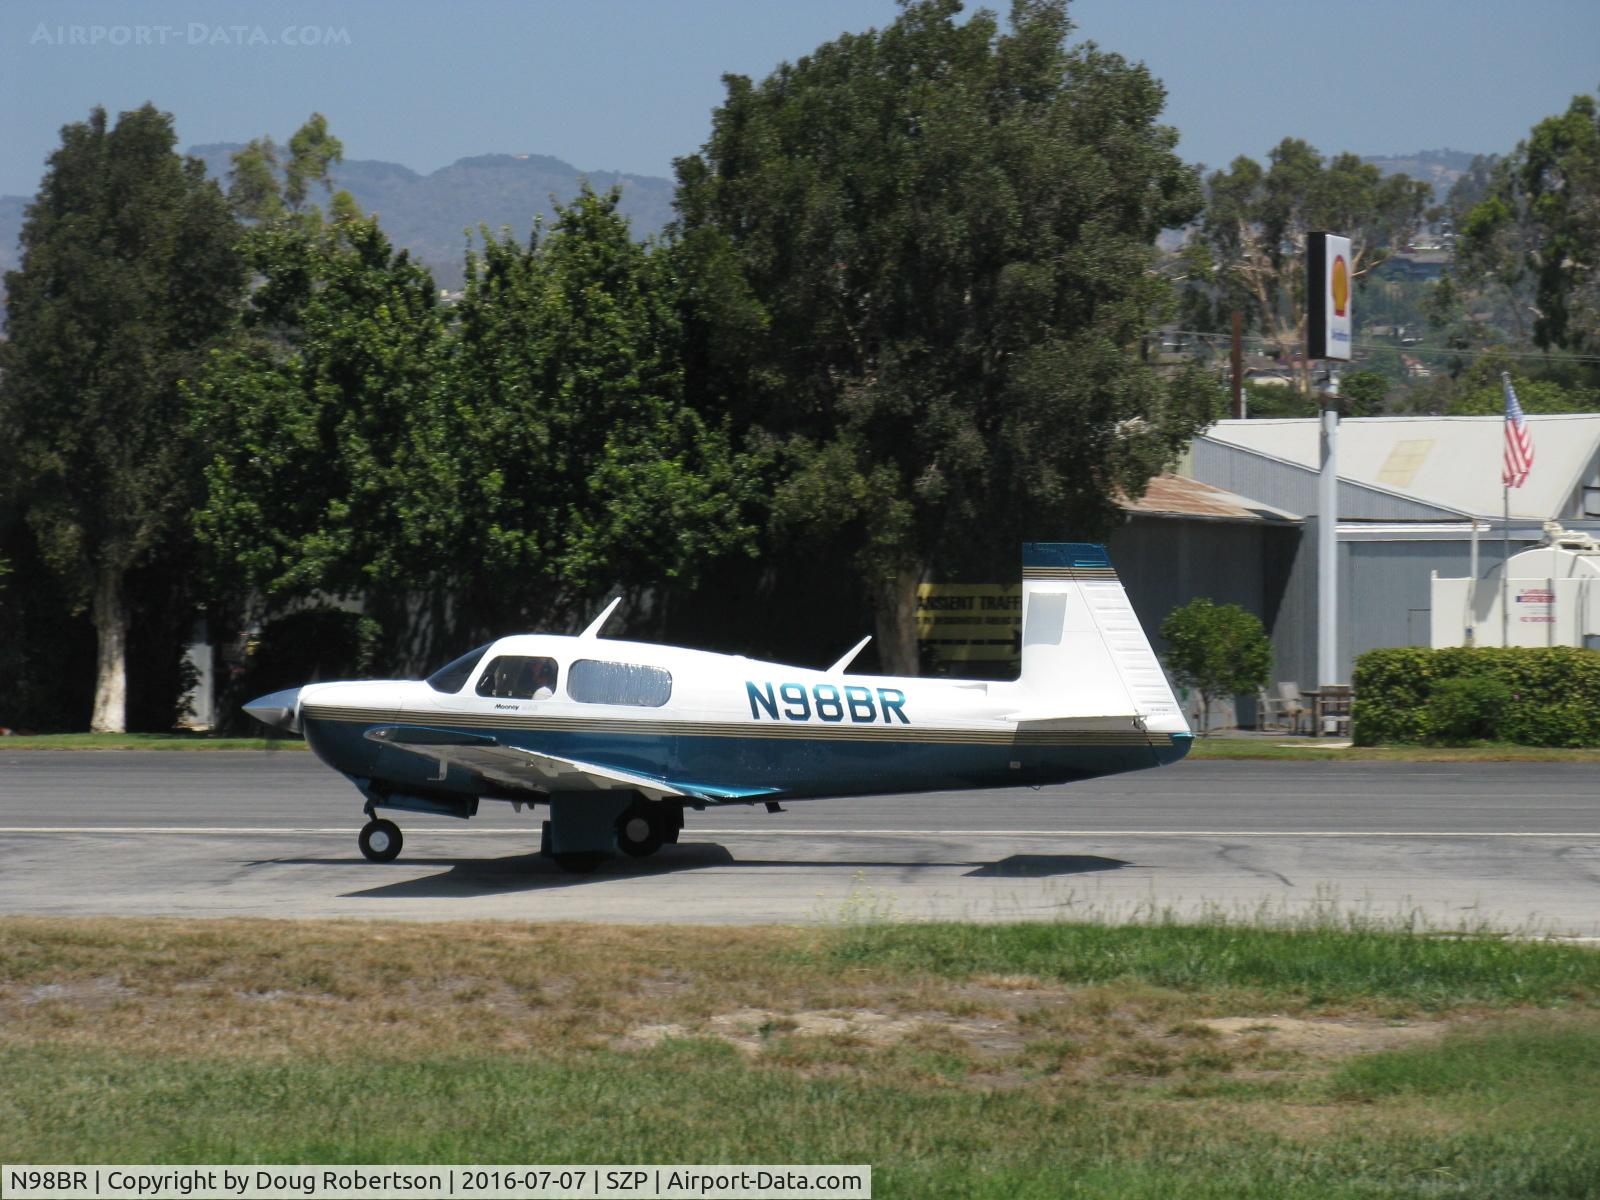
(1519, 446)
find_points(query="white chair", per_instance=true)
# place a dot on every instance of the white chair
(1285, 710)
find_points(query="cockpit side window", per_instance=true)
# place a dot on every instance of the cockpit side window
(453, 676)
(518, 677)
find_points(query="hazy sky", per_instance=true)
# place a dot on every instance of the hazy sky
(629, 84)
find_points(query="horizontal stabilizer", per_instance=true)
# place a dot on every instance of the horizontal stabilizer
(1043, 721)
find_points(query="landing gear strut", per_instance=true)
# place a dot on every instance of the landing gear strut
(380, 840)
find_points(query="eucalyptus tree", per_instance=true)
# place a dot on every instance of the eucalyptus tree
(129, 272)
(269, 183)
(1250, 251)
(1536, 229)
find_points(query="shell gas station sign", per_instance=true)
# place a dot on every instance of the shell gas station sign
(1328, 287)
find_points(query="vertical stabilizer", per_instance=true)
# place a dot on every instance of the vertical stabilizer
(1084, 653)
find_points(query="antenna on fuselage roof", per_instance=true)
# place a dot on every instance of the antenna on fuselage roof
(595, 625)
(849, 656)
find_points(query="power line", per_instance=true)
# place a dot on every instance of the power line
(1373, 346)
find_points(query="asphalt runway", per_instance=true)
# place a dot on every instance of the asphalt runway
(1509, 846)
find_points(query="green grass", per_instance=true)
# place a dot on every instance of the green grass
(695, 1102)
(144, 741)
(1502, 1064)
(1316, 965)
(1031, 1061)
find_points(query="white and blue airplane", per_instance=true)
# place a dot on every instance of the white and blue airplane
(619, 738)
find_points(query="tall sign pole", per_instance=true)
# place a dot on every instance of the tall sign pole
(1328, 330)
(1328, 548)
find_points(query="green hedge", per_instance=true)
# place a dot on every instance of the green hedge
(1548, 697)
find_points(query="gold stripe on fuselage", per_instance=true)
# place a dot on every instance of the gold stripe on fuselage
(831, 731)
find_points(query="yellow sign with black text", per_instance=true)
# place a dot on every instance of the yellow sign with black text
(970, 623)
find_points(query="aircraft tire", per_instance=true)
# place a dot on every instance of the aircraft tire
(380, 840)
(641, 830)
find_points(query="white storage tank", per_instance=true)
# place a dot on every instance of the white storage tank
(1551, 594)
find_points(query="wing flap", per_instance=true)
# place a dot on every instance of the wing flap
(713, 791)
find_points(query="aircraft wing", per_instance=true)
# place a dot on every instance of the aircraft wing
(535, 770)
(512, 766)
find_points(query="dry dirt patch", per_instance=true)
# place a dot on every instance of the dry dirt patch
(749, 1029)
(1323, 1038)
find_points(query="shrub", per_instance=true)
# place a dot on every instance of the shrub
(1217, 649)
(1467, 708)
(1532, 697)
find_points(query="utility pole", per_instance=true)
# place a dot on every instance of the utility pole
(1236, 358)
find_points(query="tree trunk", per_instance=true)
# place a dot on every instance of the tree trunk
(894, 604)
(110, 616)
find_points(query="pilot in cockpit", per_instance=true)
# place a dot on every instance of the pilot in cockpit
(544, 679)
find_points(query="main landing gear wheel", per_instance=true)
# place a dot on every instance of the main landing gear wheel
(380, 840)
(644, 829)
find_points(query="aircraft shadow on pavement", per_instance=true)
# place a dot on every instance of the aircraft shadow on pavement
(531, 872)
(1040, 866)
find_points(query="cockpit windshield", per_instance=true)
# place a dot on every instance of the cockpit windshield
(453, 676)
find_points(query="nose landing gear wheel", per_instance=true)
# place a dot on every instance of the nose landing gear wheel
(380, 840)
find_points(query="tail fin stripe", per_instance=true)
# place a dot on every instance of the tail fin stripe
(1031, 574)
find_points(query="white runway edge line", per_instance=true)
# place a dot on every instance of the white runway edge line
(415, 832)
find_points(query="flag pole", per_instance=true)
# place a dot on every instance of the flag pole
(1505, 569)
(1472, 589)
(1518, 462)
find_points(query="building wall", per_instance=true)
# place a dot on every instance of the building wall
(1165, 562)
(1384, 578)
(1385, 594)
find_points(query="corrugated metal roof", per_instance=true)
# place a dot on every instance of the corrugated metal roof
(1175, 496)
(1291, 486)
(1449, 461)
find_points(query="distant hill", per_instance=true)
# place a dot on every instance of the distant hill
(427, 213)
(1439, 167)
